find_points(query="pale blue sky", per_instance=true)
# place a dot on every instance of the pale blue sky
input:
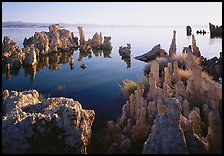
(117, 13)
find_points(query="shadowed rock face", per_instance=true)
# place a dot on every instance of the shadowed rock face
(152, 54)
(172, 50)
(188, 28)
(215, 31)
(164, 130)
(125, 51)
(107, 44)
(53, 125)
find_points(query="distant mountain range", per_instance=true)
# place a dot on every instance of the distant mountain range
(21, 24)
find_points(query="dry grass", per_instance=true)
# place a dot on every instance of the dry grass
(180, 58)
(207, 76)
(128, 87)
(184, 74)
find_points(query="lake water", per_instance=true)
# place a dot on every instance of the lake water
(97, 86)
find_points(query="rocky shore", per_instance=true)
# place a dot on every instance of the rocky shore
(46, 43)
(33, 124)
(177, 110)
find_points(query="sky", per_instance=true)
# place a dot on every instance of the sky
(115, 13)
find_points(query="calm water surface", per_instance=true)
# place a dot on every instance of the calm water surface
(97, 86)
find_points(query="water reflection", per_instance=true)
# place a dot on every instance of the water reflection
(52, 61)
(31, 71)
(127, 60)
(104, 53)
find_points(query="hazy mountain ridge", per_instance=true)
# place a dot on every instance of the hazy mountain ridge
(21, 24)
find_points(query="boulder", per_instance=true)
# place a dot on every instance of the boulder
(31, 124)
(152, 54)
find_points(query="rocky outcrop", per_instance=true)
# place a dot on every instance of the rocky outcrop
(172, 50)
(125, 51)
(195, 49)
(56, 39)
(215, 31)
(188, 29)
(164, 130)
(152, 54)
(30, 56)
(9, 48)
(31, 124)
(97, 41)
(213, 66)
(107, 44)
(82, 40)
(176, 110)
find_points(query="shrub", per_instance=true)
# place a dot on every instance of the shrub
(128, 87)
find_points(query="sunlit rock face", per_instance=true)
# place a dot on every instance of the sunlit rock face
(56, 39)
(215, 31)
(9, 48)
(32, 124)
(30, 56)
(178, 110)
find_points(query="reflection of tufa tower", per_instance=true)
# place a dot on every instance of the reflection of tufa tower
(31, 71)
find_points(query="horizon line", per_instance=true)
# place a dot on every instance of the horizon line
(109, 24)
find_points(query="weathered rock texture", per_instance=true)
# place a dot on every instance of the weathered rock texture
(30, 55)
(9, 48)
(31, 124)
(56, 39)
(152, 54)
(195, 49)
(215, 31)
(172, 50)
(107, 44)
(97, 41)
(178, 109)
(82, 40)
(164, 130)
(188, 29)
